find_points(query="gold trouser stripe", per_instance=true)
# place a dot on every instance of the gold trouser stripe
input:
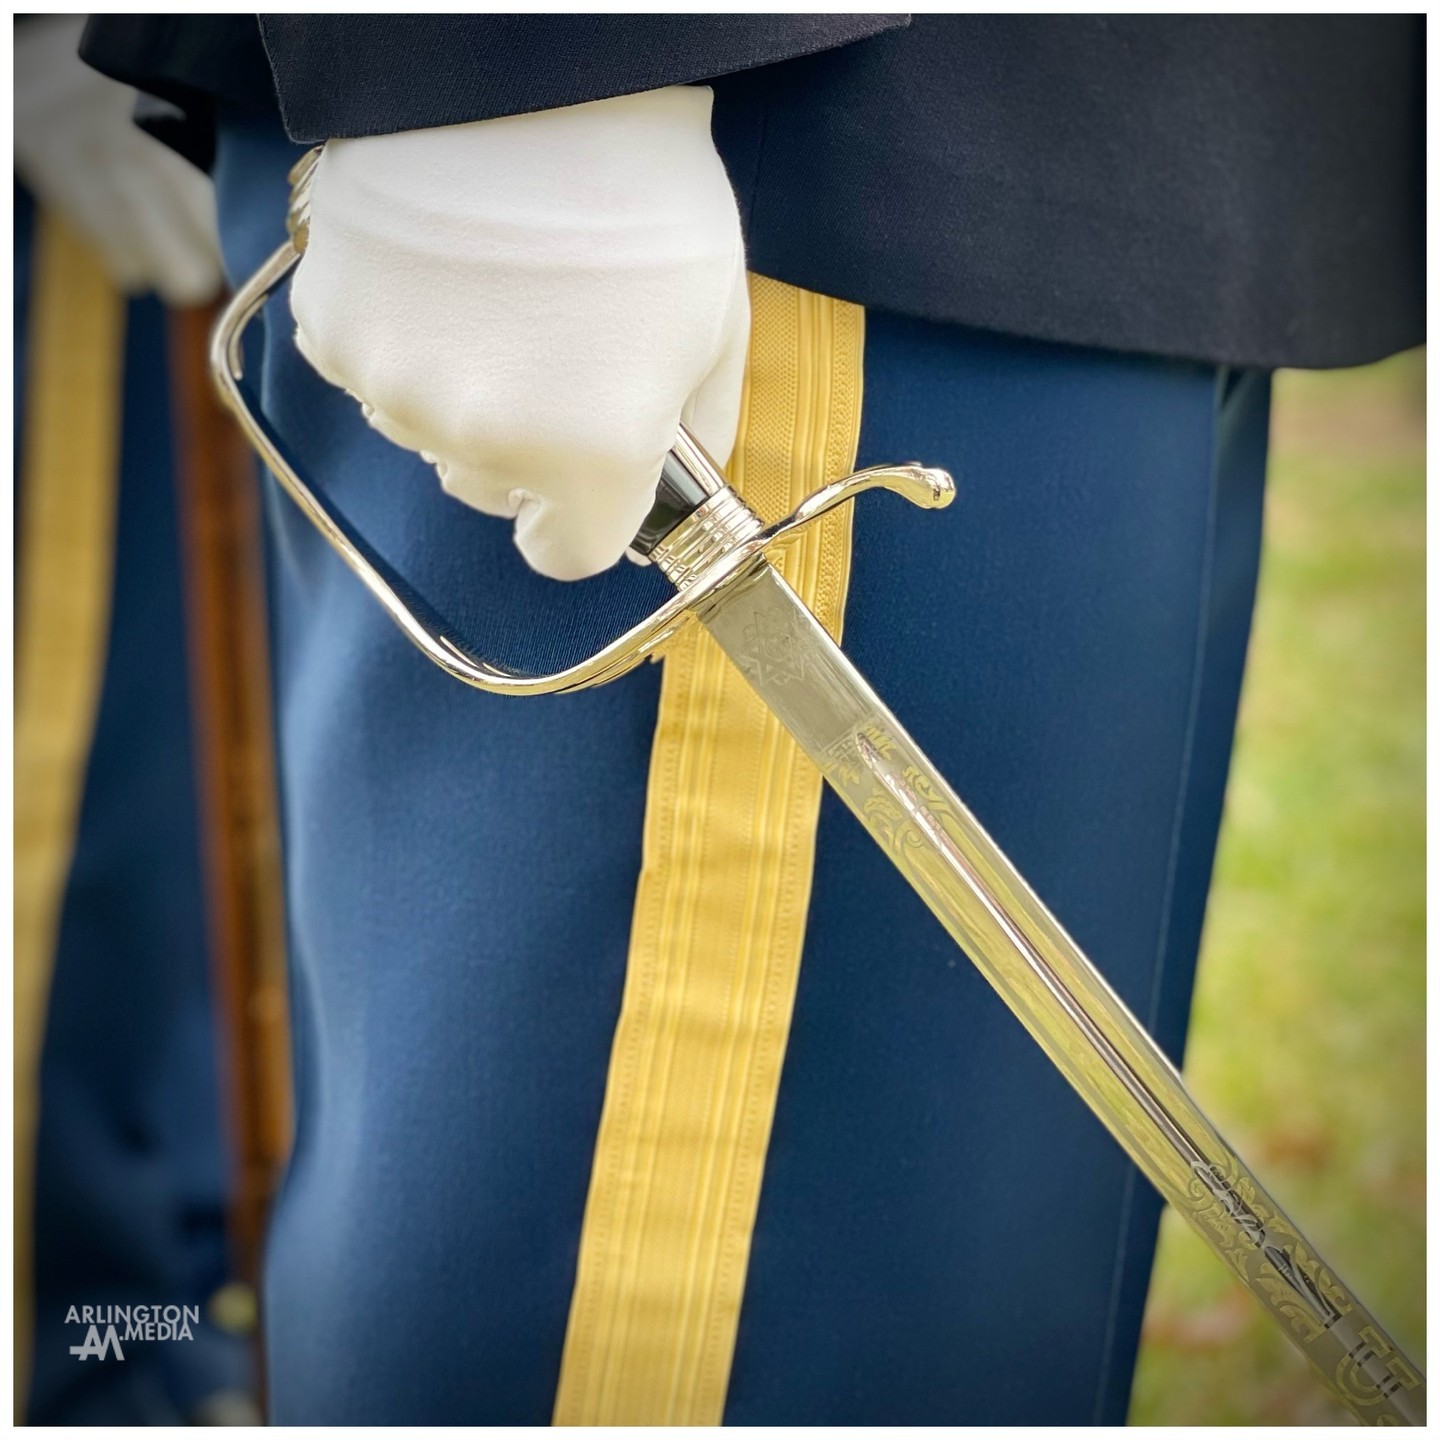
(67, 517)
(719, 924)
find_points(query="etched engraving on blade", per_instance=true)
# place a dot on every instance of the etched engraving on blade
(784, 652)
(773, 649)
(1323, 1309)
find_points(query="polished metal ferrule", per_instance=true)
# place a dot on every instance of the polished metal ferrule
(705, 536)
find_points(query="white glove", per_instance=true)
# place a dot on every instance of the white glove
(148, 214)
(535, 303)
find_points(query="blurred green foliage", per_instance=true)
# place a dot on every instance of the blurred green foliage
(1307, 1044)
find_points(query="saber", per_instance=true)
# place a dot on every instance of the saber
(711, 546)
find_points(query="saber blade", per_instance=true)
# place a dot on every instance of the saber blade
(1059, 996)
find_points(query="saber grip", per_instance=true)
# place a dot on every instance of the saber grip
(687, 480)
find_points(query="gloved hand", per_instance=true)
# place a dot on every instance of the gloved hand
(148, 214)
(535, 303)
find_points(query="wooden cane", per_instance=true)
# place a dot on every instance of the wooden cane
(228, 649)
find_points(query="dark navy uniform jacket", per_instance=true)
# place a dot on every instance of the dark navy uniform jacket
(1237, 189)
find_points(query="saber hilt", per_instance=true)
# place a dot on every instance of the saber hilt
(700, 533)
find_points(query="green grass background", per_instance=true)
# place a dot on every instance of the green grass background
(1307, 1044)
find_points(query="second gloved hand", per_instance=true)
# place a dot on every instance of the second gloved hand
(535, 303)
(148, 215)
